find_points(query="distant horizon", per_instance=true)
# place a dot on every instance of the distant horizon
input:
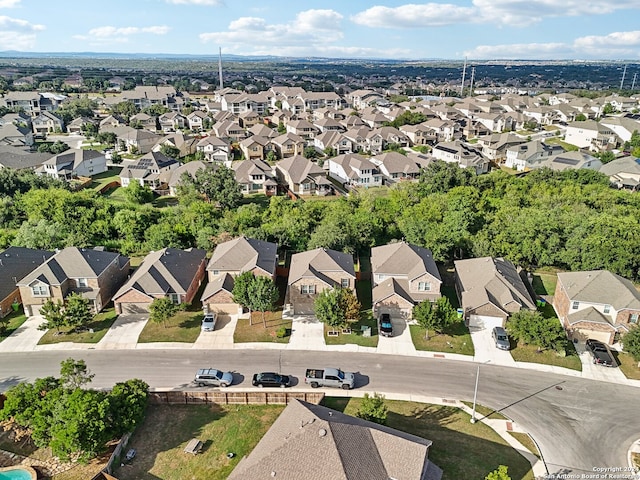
(584, 30)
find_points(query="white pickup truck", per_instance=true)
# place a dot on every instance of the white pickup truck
(329, 377)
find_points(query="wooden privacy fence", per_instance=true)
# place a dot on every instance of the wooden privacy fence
(228, 398)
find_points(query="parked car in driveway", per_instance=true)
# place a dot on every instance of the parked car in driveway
(500, 338)
(209, 322)
(600, 353)
(386, 327)
(211, 377)
(270, 379)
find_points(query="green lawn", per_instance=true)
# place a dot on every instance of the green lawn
(529, 353)
(12, 322)
(256, 332)
(454, 339)
(92, 333)
(363, 291)
(161, 439)
(558, 141)
(526, 441)
(544, 282)
(182, 327)
(103, 178)
(628, 365)
(485, 412)
(462, 449)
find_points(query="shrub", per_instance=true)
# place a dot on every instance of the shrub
(282, 332)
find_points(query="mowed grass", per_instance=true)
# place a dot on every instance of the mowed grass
(526, 441)
(628, 365)
(454, 339)
(256, 332)
(544, 282)
(182, 327)
(530, 353)
(161, 439)
(462, 449)
(485, 412)
(355, 337)
(92, 332)
(13, 321)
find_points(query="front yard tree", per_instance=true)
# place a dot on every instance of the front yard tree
(530, 327)
(350, 304)
(240, 291)
(74, 374)
(53, 315)
(77, 311)
(445, 314)
(631, 342)
(329, 308)
(263, 293)
(424, 313)
(162, 309)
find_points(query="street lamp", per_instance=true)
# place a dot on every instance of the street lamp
(475, 393)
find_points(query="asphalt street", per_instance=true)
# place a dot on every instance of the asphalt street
(579, 424)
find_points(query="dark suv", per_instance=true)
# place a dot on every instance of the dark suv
(600, 353)
(386, 327)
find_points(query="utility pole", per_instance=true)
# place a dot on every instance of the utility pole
(220, 67)
(624, 73)
(473, 76)
(633, 83)
(464, 71)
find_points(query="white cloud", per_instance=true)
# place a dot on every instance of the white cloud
(110, 31)
(519, 51)
(196, 2)
(17, 34)
(310, 28)
(502, 12)
(9, 3)
(613, 45)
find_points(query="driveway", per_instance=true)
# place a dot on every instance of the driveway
(399, 343)
(124, 332)
(485, 348)
(221, 337)
(25, 338)
(307, 333)
(597, 372)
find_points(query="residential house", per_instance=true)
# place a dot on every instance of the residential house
(288, 145)
(16, 135)
(596, 304)
(465, 155)
(365, 140)
(351, 448)
(571, 161)
(112, 121)
(186, 144)
(249, 119)
(302, 128)
(312, 272)
(198, 121)
(255, 176)
(94, 273)
(623, 127)
(495, 122)
(255, 147)
(396, 167)
(15, 264)
(131, 140)
(302, 176)
(229, 260)
(261, 130)
(489, 290)
(29, 102)
(228, 130)
(149, 170)
(543, 115)
(355, 170)
(360, 99)
(313, 101)
(215, 149)
(444, 130)
(374, 118)
(392, 136)
(190, 168)
(592, 135)
(21, 158)
(143, 96)
(78, 125)
(168, 273)
(403, 275)
(47, 122)
(333, 140)
(623, 173)
(74, 163)
(328, 124)
(172, 121)
(419, 134)
(527, 156)
(495, 146)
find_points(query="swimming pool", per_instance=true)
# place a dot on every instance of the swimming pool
(18, 473)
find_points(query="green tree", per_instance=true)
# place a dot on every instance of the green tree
(631, 342)
(126, 109)
(162, 309)
(351, 305)
(53, 314)
(373, 409)
(445, 314)
(219, 186)
(77, 310)
(608, 109)
(170, 151)
(606, 157)
(329, 308)
(581, 117)
(530, 327)
(108, 138)
(136, 193)
(263, 294)
(281, 128)
(424, 313)
(128, 404)
(74, 374)
(310, 152)
(499, 474)
(241, 291)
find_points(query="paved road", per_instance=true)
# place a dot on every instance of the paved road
(579, 424)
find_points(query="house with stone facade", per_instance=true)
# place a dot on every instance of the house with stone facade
(312, 272)
(596, 304)
(168, 273)
(93, 273)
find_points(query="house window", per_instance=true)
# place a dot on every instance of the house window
(40, 290)
(309, 289)
(82, 283)
(633, 318)
(575, 305)
(424, 286)
(175, 298)
(344, 282)
(380, 277)
(607, 308)
(215, 272)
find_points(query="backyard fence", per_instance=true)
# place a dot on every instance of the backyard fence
(232, 398)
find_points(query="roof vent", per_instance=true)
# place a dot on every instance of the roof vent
(322, 432)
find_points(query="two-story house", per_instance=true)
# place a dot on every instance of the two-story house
(47, 122)
(74, 163)
(255, 176)
(403, 275)
(355, 170)
(215, 149)
(302, 176)
(95, 274)
(596, 304)
(148, 170)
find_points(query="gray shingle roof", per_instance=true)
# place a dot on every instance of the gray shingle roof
(244, 254)
(17, 262)
(602, 287)
(402, 258)
(314, 263)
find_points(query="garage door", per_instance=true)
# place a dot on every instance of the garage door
(35, 310)
(395, 312)
(135, 307)
(584, 334)
(223, 308)
(484, 322)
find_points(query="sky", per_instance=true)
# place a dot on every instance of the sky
(388, 29)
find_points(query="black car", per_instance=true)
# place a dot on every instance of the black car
(386, 327)
(600, 353)
(270, 379)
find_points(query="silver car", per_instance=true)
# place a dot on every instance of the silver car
(500, 338)
(209, 322)
(210, 377)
